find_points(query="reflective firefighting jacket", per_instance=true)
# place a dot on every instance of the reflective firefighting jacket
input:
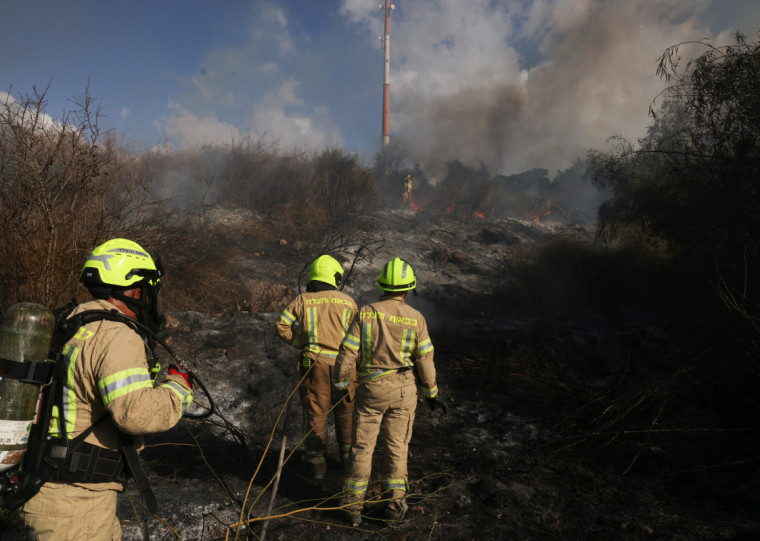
(323, 318)
(385, 337)
(107, 375)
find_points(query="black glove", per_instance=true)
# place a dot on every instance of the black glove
(435, 402)
(339, 394)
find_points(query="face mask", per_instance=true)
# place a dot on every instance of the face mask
(150, 309)
(152, 316)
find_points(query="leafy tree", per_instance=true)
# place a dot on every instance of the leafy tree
(692, 183)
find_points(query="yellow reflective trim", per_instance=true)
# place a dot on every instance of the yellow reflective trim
(83, 334)
(430, 393)
(70, 398)
(351, 342)
(287, 317)
(346, 321)
(408, 337)
(124, 382)
(185, 396)
(394, 484)
(121, 391)
(356, 487)
(366, 345)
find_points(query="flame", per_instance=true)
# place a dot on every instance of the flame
(451, 209)
(537, 214)
(412, 205)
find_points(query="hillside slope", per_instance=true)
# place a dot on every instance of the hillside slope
(515, 458)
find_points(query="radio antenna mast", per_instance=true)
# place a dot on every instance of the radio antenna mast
(387, 75)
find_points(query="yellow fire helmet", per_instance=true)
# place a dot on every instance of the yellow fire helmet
(326, 269)
(397, 275)
(120, 263)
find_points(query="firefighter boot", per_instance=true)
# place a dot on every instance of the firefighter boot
(352, 508)
(317, 471)
(353, 517)
(397, 510)
(316, 463)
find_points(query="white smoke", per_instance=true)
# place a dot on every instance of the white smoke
(512, 84)
(523, 84)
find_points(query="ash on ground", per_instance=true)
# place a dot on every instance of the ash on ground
(559, 425)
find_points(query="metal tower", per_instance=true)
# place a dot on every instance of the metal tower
(387, 75)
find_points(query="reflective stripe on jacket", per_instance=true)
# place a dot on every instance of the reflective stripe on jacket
(323, 318)
(107, 375)
(387, 336)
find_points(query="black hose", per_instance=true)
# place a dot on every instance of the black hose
(115, 315)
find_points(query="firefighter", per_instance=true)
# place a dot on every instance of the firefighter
(323, 314)
(385, 345)
(408, 184)
(109, 393)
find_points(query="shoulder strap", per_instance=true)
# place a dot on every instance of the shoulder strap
(137, 472)
(41, 462)
(29, 371)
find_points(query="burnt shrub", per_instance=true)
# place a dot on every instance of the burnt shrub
(574, 277)
(66, 185)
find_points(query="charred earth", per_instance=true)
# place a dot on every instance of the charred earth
(577, 406)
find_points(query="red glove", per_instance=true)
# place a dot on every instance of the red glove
(176, 370)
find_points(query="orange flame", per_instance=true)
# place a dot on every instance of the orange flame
(412, 205)
(537, 214)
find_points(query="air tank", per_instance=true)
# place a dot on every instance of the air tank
(26, 330)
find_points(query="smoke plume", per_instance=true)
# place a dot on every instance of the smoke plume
(519, 85)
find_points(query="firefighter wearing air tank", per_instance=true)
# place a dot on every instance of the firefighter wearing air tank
(385, 345)
(108, 386)
(323, 314)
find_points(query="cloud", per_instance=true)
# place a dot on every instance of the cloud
(190, 131)
(512, 84)
(126, 112)
(523, 84)
(313, 131)
(270, 23)
(26, 114)
(252, 88)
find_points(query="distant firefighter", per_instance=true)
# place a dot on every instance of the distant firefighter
(385, 345)
(408, 185)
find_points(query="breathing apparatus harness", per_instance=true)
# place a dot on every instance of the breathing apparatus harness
(51, 458)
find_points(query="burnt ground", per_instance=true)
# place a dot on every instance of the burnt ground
(563, 424)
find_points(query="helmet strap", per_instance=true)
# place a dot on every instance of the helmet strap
(136, 305)
(146, 308)
(100, 292)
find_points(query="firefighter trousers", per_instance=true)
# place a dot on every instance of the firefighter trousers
(64, 512)
(316, 397)
(386, 404)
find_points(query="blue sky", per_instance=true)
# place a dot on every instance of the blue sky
(514, 84)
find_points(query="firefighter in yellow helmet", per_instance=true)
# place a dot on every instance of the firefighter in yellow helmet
(323, 314)
(385, 345)
(110, 397)
(408, 184)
